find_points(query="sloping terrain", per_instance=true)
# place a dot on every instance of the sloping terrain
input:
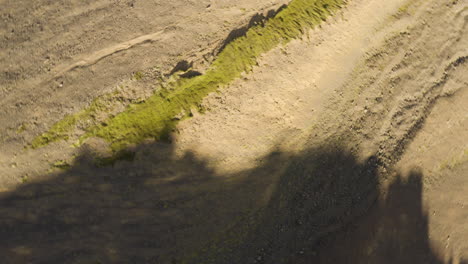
(57, 57)
(344, 142)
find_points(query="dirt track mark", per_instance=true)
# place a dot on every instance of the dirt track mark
(411, 113)
(109, 51)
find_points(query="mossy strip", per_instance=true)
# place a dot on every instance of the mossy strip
(157, 116)
(62, 129)
(57, 132)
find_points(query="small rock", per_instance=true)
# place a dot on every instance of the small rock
(179, 116)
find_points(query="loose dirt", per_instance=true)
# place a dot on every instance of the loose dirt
(348, 145)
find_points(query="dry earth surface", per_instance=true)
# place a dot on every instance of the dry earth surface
(348, 145)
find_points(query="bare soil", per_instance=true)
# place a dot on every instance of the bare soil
(349, 145)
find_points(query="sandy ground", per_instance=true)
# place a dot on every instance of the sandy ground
(58, 56)
(346, 146)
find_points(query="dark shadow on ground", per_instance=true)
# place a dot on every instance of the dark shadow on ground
(256, 20)
(160, 208)
(395, 230)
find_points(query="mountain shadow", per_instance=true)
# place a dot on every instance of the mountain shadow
(166, 208)
(395, 230)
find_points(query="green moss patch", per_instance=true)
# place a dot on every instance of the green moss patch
(57, 132)
(62, 129)
(158, 115)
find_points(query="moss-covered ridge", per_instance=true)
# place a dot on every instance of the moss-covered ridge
(161, 112)
(62, 129)
(156, 116)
